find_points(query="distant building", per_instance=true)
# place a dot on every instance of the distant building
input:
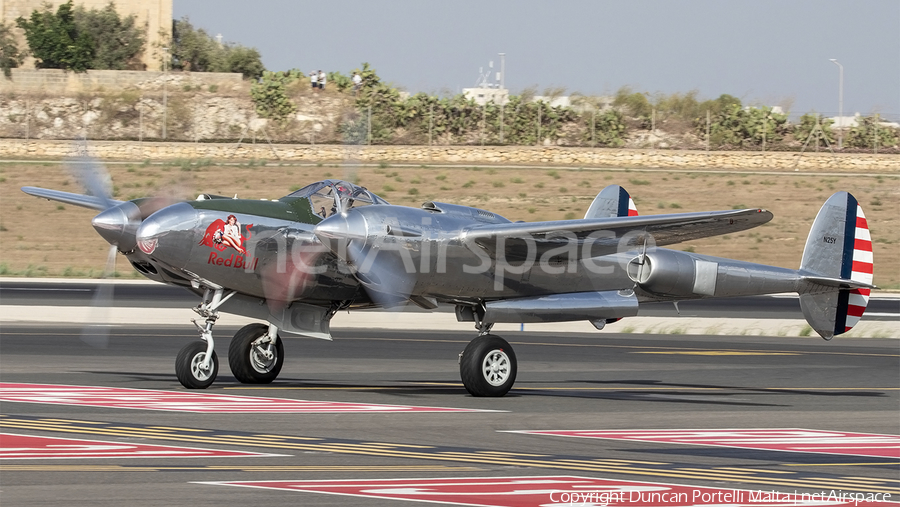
(579, 103)
(155, 15)
(482, 96)
(772, 109)
(849, 122)
(553, 101)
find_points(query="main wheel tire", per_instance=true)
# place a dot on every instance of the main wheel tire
(488, 366)
(248, 364)
(187, 366)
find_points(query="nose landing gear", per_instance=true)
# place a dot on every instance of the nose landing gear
(197, 365)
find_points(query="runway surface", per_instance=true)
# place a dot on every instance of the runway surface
(352, 433)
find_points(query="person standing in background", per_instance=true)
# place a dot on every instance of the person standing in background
(357, 82)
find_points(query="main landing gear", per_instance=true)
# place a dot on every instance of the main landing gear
(488, 364)
(255, 355)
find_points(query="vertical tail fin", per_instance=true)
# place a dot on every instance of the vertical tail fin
(837, 266)
(612, 201)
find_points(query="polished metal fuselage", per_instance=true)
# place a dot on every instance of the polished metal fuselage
(284, 259)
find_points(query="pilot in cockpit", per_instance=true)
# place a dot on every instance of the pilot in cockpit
(343, 193)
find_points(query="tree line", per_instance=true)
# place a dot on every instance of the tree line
(383, 114)
(79, 39)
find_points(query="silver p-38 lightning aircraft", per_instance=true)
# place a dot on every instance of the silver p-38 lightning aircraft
(294, 262)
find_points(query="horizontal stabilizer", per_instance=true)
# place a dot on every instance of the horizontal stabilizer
(839, 283)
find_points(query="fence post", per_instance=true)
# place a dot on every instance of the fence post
(593, 128)
(818, 132)
(141, 119)
(369, 127)
(430, 125)
(875, 141)
(483, 121)
(165, 108)
(195, 119)
(540, 107)
(707, 131)
(502, 107)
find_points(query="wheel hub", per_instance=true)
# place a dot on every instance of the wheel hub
(496, 367)
(261, 358)
(197, 367)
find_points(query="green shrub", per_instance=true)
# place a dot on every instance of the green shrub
(868, 131)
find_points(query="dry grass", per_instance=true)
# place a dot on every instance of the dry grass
(39, 238)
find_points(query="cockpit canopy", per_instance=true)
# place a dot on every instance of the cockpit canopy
(328, 197)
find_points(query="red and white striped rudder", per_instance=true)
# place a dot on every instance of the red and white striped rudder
(837, 267)
(862, 270)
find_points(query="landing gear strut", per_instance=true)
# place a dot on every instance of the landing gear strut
(197, 365)
(488, 364)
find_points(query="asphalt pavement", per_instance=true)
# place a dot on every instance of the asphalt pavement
(609, 381)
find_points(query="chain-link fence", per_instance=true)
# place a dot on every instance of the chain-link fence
(186, 110)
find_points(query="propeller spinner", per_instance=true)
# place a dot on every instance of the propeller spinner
(118, 225)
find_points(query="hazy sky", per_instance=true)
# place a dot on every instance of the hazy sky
(763, 51)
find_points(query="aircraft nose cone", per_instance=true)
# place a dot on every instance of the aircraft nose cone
(169, 233)
(341, 228)
(118, 225)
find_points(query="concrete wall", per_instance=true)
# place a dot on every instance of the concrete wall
(557, 156)
(54, 81)
(35, 108)
(156, 15)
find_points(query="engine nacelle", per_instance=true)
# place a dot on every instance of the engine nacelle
(673, 273)
(593, 306)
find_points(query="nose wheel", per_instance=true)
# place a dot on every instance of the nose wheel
(193, 369)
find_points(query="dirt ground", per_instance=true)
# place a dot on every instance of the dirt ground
(43, 238)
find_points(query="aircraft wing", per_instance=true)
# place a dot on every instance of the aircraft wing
(606, 235)
(85, 201)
